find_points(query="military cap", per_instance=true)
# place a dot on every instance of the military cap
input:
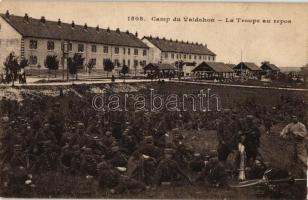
(197, 154)
(5, 119)
(149, 139)
(115, 148)
(80, 124)
(108, 133)
(249, 116)
(168, 151)
(213, 153)
(226, 110)
(17, 147)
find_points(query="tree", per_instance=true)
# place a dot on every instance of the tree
(108, 66)
(90, 65)
(74, 64)
(22, 64)
(124, 70)
(11, 68)
(52, 63)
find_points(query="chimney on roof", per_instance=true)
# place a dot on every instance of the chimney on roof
(43, 20)
(176, 40)
(164, 38)
(136, 34)
(108, 30)
(150, 36)
(97, 28)
(26, 18)
(157, 38)
(205, 45)
(170, 39)
(7, 14)
(187, 42)
(73, 24)
(127, 32)
(59, 22)
(85, 26)
(118, 30)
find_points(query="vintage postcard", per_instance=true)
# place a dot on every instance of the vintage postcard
(153, 100)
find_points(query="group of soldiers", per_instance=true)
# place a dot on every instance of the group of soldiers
(122, 151)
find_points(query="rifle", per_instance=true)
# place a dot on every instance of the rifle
(267, 182)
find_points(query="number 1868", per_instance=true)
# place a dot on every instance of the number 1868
(135, 18)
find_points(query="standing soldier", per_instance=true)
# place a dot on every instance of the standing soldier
(251, 139)
(296, 132)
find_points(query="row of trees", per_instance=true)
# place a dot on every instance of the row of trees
(14, 68)
(14, 65)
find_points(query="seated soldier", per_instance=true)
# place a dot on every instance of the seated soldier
(214, 171)
(168, 170)
(112, 179)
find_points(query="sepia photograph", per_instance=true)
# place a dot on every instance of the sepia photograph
(153, 100)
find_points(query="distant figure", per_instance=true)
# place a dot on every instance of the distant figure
(112, 78)
(296, 132)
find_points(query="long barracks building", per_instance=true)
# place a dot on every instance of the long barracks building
(169, 51)
(34, 39)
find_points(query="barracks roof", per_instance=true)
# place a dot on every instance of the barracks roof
(270, 66)
(247, 65)
(179, 46)
(41, 28)
(159, 66)
(213, 66)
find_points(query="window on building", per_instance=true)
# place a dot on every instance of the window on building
(200, 58)
(144, 63)
(184, 56)
(80, 47)
(128, 63)
(180, 56)
(105, 49)
(104, 60)
(93, 48)
(144, 53)
(50, 45)
(33, 44)
(135, 63)
(93, 60)
(189, 57)
(33, 60)
(177, 56)
(166, 55)
(124, 51)
(172, 55)
(136, 52)
(70, 46)
(128, 51)
(195, 57)
(116, 50)
(116, 63)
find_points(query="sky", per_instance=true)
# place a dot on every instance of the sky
(285, 45)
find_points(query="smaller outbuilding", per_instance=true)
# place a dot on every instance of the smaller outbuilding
(213, 70)
(160, 70)
(248, 69)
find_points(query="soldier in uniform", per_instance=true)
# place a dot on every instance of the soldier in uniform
(227, 134)
(168, 170)
(214, 171)
(296, 132)
(251, 139)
